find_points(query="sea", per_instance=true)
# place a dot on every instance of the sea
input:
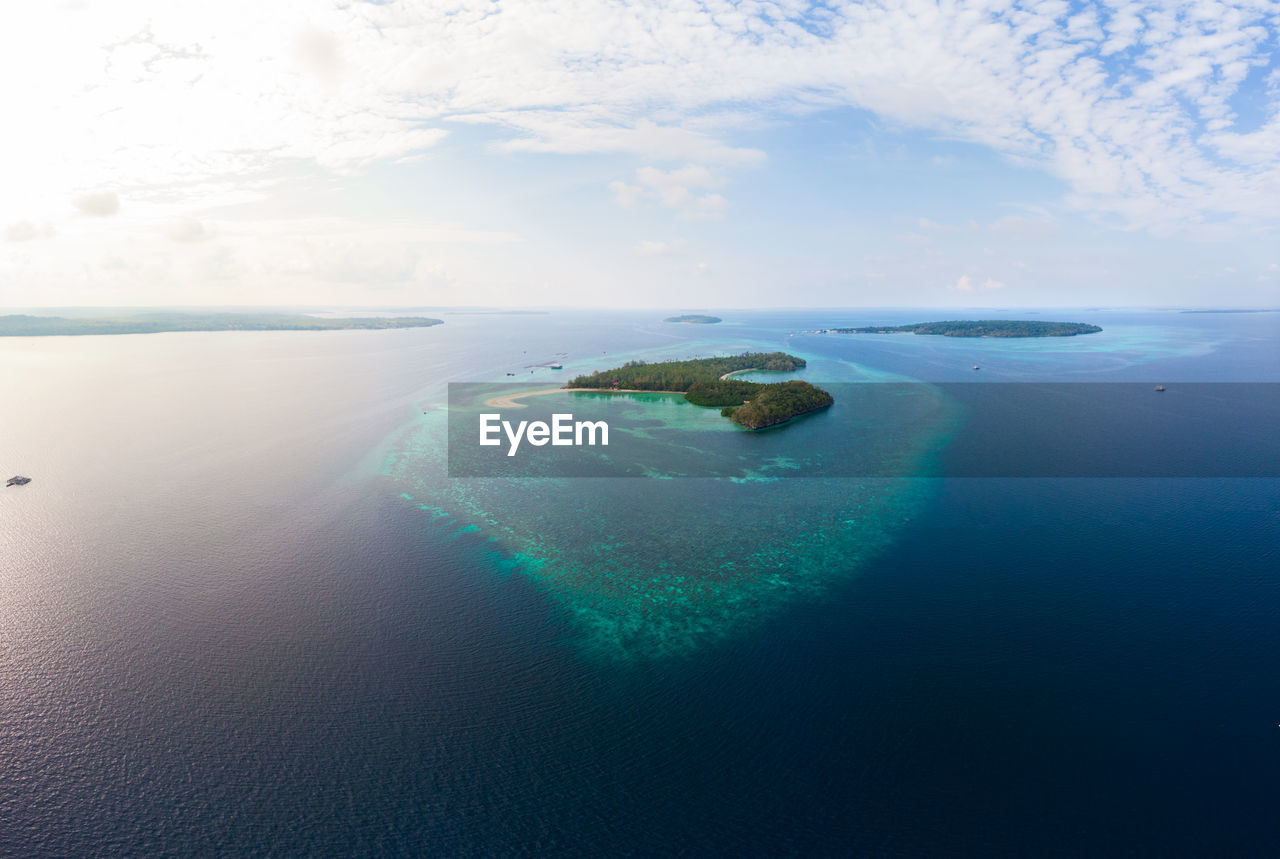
(247, 608)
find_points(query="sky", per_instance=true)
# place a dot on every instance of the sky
(666, 153)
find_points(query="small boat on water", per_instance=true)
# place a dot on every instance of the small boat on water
(1159, 387)
(557, 366)
(975, 366)
(18, 480)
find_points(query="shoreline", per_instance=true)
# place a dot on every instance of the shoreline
(512, 401)
(744, 370)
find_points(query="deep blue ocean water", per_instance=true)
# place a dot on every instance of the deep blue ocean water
(225, 631)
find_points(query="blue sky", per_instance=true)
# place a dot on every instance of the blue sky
(667, 154)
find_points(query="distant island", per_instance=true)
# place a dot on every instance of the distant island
(694, 319)
(707, 382)
(976, 328)
(21, 325)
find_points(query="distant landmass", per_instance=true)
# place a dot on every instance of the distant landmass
(694, 319)
(976, 328)
(21, 325)
(707, 382)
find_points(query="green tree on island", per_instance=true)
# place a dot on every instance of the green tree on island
(704, 382)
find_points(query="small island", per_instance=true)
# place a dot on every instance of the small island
(23, 325)
(694, 319)
(976, 328)
(707, 382)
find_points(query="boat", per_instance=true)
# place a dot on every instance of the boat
(18, 480)
(557, 366)
(1159, 387)
(975, 366)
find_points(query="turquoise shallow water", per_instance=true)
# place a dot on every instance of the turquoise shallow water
(649, 568)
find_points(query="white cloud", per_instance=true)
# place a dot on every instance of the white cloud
(316, 260)
(220, 264)
(317, 52)
(659, 249)
(342, 251)
(682, 189)
(711, 206)
(675, 188)
(25, 231)
(1022, 227)
(188, 230)
(964, 283)
(189, 110)
(577, 132)
(115, 263)
(376, 264)
(625, 194)
(103, 204)
(143, 94)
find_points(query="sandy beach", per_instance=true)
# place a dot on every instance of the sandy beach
(512, 401)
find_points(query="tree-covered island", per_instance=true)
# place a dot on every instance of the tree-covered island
(976, 328)
(707, 382)
(22, 325)
(694, 319)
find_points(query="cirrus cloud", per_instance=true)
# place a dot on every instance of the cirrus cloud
(1159, 115)
(1132, 103)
